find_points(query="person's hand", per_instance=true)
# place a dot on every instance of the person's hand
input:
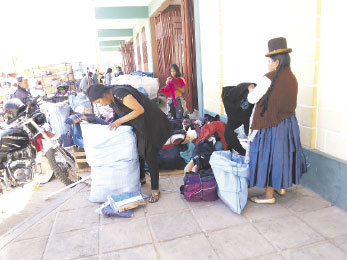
(114, 125)
(168, 79)
(251, 87)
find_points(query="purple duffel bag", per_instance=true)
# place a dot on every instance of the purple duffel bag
(199, 186)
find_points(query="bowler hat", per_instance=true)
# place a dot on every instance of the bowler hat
(277, 46)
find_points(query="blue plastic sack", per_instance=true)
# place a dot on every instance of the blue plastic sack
(79, 100)
(122, 177)
(113, 158)
(231, 173)
(57, 114)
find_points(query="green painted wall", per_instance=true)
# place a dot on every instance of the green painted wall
(198, 58)
(115, 33)
(107, 49)
(121, 12)
(110, 43)
(327, 177)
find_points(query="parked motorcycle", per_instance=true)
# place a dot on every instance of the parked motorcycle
(22, 139)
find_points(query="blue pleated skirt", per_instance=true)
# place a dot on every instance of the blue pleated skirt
(276, 156)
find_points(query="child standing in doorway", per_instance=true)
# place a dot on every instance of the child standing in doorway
(174, 102)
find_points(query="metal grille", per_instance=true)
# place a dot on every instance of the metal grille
(168, 30)
(128, 57)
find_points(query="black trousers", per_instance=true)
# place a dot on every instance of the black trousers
(175, 112)
(231, 137)
(152, 162)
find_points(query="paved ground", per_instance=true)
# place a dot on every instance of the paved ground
(23, 202)
(301, 225)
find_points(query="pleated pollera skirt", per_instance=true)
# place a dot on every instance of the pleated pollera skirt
(276, 156)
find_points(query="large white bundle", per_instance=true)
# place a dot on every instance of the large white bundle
(151, 85)
(105, 148)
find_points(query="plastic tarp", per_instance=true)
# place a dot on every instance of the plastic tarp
(231, 173)
(58, 113)
(113, 158)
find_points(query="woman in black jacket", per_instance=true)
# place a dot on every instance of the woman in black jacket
(150, 124)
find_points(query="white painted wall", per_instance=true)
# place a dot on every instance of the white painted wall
(236, 53)
(210, 55)
(332, 87)
(234, 36)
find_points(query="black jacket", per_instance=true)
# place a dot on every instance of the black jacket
(23, 95)
(235, 102)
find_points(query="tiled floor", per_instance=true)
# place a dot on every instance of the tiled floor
(301, 225)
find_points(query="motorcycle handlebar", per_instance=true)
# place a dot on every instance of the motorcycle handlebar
(55, 99)
(34, 102)
(10, 121)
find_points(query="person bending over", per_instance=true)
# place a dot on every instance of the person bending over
(150, 124)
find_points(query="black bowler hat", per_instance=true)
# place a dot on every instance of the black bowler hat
(277, 45)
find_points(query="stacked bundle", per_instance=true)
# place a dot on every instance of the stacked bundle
(113, 158)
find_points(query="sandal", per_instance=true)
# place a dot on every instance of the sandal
(143, 181)
(154, 197)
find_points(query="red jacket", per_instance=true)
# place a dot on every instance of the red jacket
(209, 129)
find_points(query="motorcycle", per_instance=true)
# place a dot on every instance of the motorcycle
(22, 139)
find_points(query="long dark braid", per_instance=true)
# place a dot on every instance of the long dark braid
(284, 61)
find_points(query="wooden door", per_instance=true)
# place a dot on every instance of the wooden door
(127, 50)
(187, 13)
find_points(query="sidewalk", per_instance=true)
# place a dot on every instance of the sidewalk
(301, 225)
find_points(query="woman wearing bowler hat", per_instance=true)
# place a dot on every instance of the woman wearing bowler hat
(276, 156)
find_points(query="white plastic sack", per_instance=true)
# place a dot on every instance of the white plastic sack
(57, 114)
(151, 85)
(231, 173)
(123, 177)
(105, 148)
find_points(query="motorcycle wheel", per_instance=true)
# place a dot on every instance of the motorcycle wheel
(61, 170)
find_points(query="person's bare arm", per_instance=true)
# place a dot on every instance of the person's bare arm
(137, 110)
